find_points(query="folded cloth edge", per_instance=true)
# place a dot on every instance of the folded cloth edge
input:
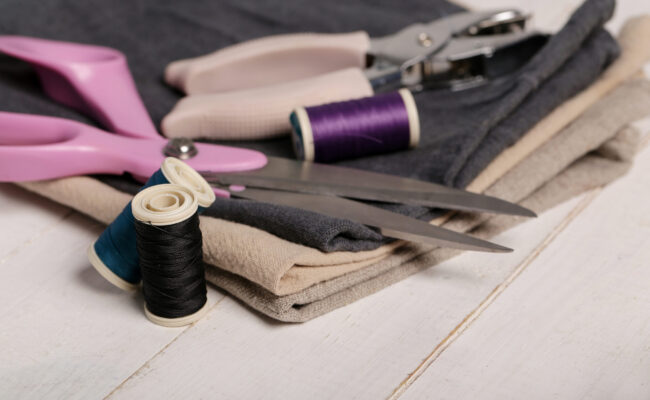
(303, 256)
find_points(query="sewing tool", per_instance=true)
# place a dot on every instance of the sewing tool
(169, 247)
(245, 91)
(379, 124)
(114, 253)
(36, 147)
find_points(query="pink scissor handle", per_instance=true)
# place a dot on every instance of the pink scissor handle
(93, 79)
(38, 147)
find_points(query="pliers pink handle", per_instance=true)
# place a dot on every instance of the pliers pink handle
(247, 91)
(269, 60)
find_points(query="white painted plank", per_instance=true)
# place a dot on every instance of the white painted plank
(575, 324)
(543, 15)
(552, 17)
(360, 351)
(66, 333)
(23, 216)
(626, 9)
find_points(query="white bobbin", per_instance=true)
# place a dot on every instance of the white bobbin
(177, 172)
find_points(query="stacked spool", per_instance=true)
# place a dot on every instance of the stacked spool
(114, 253)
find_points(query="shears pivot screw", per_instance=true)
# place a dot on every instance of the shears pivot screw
(182, 148)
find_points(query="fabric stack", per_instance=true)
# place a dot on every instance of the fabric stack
(555, 128)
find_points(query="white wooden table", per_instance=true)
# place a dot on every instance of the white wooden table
(567, 315)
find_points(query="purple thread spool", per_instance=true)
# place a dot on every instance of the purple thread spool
(379, 124)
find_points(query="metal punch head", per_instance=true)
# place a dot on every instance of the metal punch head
(457, 51)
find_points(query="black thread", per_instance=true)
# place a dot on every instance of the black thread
(171, 263)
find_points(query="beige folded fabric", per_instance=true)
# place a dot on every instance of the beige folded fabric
(593, 130)
(283, 267)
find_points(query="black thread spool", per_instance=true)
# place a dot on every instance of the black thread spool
(169, 245)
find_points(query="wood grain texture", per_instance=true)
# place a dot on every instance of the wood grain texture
(24, 217)
(360, 351)
(66, 333)
(573, 323)
(576, 324)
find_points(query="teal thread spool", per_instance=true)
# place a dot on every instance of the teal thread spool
(114, 254)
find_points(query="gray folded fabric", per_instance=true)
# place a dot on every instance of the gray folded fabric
(461, 131)
(595, 150)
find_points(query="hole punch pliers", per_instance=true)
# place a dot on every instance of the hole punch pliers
(246, 91)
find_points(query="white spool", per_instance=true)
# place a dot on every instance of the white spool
(177, 172)
(165, 204)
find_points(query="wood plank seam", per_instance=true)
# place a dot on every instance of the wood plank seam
(146, 364)
(35, 237)
(476, 313)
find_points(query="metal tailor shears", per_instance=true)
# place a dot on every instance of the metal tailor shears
(96, 81)
(246, 91)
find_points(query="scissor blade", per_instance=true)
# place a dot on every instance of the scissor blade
(299, 176)
(390, 224)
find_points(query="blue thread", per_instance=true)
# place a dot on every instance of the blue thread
(116, 246)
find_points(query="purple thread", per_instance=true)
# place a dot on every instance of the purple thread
(357, 128)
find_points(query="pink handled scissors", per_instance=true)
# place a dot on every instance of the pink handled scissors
(96, 80)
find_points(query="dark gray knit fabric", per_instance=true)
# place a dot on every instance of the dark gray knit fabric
(461, 131)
